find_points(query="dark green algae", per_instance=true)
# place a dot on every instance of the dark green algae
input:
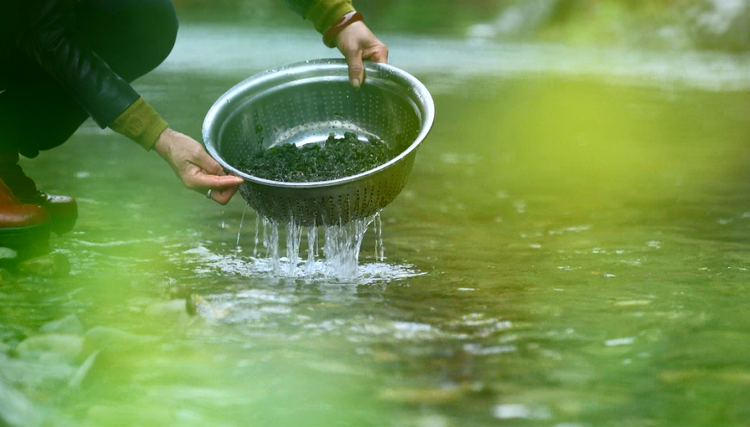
(336, 158)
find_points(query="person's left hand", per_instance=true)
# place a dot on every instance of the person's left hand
(357, 43)
(197, 170)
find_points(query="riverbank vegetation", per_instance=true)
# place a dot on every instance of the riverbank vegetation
(661, 24)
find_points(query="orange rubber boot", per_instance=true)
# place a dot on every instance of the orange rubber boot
(62, 209)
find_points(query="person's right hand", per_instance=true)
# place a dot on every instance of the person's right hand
(197, 170)
(356, 42)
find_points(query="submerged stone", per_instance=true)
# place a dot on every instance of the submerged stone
(7, 254)
(69, 325)
(16, 409)
(179, 291)
(178, 310)
(72, 348)
(83, 370)
(30, 374)
(50, 266)
(206, 309)
(110, 338)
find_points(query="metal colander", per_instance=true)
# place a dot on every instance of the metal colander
(303, 103)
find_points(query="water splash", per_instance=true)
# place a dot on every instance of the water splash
(341, 247)
(207, 262)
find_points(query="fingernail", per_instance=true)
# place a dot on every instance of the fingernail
(356, 83)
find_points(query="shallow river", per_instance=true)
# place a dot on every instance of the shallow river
(571, 250)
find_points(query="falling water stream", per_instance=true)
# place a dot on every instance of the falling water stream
(341, 246)
(239, 232)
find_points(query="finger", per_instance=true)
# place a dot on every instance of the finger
(377, 54)
(207, 163)
(201, 181)
(224, 195)
(356, 68)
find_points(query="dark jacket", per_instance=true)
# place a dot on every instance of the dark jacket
(41, 29)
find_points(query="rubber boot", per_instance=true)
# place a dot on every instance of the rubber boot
(21, 224)
(62, 209)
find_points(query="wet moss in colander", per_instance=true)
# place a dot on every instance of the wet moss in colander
(337, 158)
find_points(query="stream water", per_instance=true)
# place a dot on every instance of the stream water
(571, 249)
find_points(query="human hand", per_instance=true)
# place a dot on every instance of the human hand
(197, 170)
(356, 42)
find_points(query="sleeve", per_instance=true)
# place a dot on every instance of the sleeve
(322, 13)
(140, 123)
(49, 40)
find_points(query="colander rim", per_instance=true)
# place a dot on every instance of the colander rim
(423, 101)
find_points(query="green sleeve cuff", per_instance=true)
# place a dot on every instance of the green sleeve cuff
(141, 123)
(324, 13)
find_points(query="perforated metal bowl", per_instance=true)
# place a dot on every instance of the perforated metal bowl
(303, 103)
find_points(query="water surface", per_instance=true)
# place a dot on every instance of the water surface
(570, 250)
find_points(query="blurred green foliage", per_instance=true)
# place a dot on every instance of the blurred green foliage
(640, 23)
(425, 15)
(615, 22)
(429, 16)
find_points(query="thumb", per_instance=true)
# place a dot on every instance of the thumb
(356, 68)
